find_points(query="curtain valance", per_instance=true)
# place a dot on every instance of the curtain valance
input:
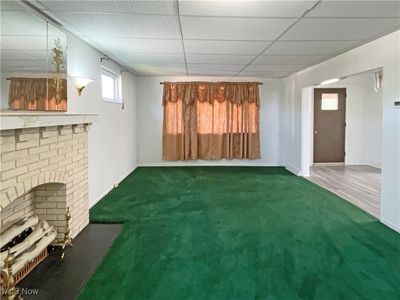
(190, 92)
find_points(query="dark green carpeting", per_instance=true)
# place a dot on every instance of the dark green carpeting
(240, 233)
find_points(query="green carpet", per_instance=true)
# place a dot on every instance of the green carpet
(240, 233)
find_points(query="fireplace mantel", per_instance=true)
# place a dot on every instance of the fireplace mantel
(27, 119)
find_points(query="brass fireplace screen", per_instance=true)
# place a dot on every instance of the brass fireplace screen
(37, 94)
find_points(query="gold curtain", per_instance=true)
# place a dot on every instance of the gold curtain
(37, 94)
(205, 120)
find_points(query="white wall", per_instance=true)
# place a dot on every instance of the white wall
(364, 121)
(112, 139)
(150, 118)
(363, 142)
(381, 53)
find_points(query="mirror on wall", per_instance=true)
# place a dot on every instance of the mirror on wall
(33, 61)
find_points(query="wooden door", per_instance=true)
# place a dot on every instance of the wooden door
(329, 125)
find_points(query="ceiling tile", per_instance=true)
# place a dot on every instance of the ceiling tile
(308, 48)
(224, 47)
(22, 55)
(24, 65)
(288, 59)
(214, 67)
(373, 9)
(10, 6)
(219, 59)
(211, 73)
(339, 29)
(150, 68)
(245, 8)
(246, 73)
(150, 57)
(272, 68)
(132, 7)
(122, 25)
(22, 23)
(34, 43)
(139, 45)
(233, 28)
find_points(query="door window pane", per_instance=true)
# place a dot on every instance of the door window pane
(329, 102)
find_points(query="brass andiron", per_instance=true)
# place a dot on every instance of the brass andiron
(67, 238)
(11, 291)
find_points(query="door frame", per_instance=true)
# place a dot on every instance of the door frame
(307, 129)
(331, 89)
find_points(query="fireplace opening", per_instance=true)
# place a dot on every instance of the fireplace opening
(29, 224)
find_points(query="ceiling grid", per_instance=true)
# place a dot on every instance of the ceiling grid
(270, 39)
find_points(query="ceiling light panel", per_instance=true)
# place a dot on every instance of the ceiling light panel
(339, 29)
(131, 7)
(224, 47)
(123, 25)
(233, 28)
(291, 9)
(308, 48)
(364, 9)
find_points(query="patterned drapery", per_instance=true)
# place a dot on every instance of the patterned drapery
(211, 120)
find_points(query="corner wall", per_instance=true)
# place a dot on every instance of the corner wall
(150, 120)
(112, 139)
(381, 53)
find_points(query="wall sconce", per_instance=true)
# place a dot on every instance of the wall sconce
(80, 83)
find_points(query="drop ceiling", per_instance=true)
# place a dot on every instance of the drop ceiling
(224, 38)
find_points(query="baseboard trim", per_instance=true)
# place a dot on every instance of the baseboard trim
(391, 225)
(201, 164)
(91, 204)
(294, 170)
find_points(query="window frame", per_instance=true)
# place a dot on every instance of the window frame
(117, 78)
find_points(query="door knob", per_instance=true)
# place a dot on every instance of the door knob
(315, 131)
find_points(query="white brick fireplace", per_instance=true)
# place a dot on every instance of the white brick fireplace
(44, 168)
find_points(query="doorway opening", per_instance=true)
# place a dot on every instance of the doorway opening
(342, 130)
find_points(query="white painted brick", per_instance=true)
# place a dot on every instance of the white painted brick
(40, 149)
(14, 155)
(13, 173)
(7, 147)
(7, 165)
(27, 144)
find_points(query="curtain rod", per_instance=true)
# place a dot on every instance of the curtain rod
(260, 83)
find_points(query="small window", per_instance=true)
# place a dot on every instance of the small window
(111, 86)
(329, 102)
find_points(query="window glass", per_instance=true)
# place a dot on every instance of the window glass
(111, 86)
(329, 102)
(108, 87)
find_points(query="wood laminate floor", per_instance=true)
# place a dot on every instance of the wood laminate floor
(360, 185)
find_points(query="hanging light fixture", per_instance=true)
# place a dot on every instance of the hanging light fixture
(378, 80)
